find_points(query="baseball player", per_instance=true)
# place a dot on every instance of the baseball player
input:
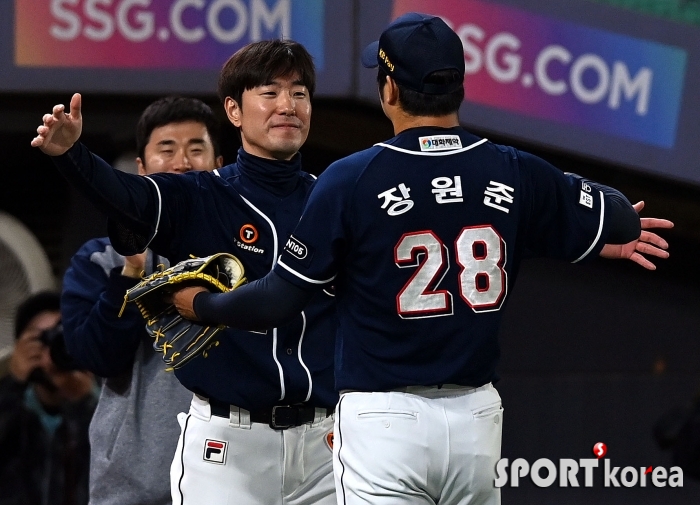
(134, 429)
(422, 236)
(258, 427)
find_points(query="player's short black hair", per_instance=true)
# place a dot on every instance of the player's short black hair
(423, 104)
(259, 63)
(175, 109)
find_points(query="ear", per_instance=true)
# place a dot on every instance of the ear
(219, 162)
(391, 92)
(233, 111)
(140, 166)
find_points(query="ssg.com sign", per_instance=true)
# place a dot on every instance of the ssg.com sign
(175, 34)
(564, 72)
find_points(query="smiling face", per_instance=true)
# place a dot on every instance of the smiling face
(178, 148)
(273, 118)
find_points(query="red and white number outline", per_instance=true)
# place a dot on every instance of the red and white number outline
(487, 299)
(427, 303)
(417, 300)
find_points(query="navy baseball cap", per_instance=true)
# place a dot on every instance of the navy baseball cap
(414, 46)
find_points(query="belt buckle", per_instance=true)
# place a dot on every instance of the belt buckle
(282, 417)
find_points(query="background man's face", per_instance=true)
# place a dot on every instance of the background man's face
(178, 148)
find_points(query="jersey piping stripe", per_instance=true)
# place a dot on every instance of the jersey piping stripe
(301, 339)
(340, 447)
(303, 277)
(182, 460)
(283, 390)
(421, 153)
(160, 207)
(274, 260)
(277, 362)
(274, 230)
(600, 228)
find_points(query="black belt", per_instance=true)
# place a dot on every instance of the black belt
(279, 417)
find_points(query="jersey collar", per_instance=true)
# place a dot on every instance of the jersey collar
(277, 177)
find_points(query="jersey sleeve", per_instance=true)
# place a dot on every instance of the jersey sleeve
(127, 198)
(173, 196)
(266, 303)
(93, 293)
(139, 208)
(311, 254)
(566, 216)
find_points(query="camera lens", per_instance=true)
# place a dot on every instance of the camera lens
(53, 338)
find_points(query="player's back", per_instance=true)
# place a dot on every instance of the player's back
(431, 240)
(422, 236)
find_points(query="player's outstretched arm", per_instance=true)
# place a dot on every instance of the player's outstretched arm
(127, 199)
(59, 130)
(648, 243)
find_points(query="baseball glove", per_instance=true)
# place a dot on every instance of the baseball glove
(180, 339)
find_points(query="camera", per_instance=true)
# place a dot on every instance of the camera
(53, 339)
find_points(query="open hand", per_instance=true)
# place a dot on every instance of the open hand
(648, 243)
(59, 130)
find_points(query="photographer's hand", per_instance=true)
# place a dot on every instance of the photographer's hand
(29, 353)
(73, 385)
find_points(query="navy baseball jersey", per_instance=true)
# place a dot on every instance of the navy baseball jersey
(248, 209)
(422, 237)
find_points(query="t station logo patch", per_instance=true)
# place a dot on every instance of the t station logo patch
(248, 234)
(545, 473)
(215, 451)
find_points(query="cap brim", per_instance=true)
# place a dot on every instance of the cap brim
(369, 55)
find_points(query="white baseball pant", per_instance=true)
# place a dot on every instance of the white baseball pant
(421, 445)
(232, 461)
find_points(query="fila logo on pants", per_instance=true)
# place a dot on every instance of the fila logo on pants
(215, 451)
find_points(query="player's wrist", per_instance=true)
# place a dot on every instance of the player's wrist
(132, 271)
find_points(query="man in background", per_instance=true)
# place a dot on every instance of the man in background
(45, 409)
(134, 432)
